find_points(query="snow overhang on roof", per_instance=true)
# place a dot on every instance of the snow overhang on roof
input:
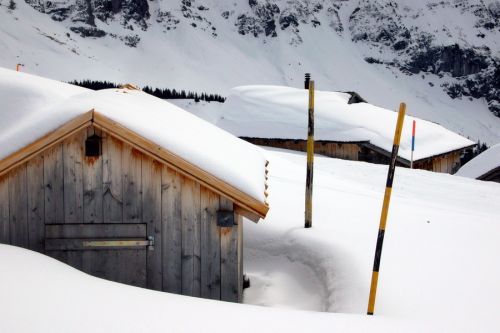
(482, 164)
(215, 158)
(275, 112)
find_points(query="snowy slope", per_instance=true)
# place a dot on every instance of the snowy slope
(481, 164)
(227, 44)
(439, 269)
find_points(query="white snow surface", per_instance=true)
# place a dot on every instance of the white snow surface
(35, 106)
(282, 112)
(439, 270)
(481, 164)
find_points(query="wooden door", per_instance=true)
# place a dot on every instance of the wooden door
(115, 252)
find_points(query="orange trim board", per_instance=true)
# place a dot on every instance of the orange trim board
(244, 201)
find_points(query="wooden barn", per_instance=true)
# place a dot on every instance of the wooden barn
(115, 183)
(485, 166)
(277, 117)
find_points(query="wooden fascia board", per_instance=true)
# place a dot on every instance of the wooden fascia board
(489, 174)
(45, 142)
(241, 199)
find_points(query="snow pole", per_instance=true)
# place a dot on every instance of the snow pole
(385, 209)
(412, 143)
(310, 157)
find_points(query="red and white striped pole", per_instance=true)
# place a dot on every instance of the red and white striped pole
(412, 143)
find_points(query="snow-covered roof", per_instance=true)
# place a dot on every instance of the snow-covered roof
(485, 162)
(281, 112)
(33, 107)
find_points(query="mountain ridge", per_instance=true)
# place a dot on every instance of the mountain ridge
(434, 54)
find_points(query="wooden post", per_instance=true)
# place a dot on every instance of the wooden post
(310, 157)
(412, 143)
(385, 209)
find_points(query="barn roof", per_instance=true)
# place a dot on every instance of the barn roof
(482, 164)
(36, 112)
(275, 112)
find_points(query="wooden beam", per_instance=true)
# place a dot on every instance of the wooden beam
(45, 142)
(182, 166)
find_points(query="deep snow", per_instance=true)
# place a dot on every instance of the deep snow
(439, 269)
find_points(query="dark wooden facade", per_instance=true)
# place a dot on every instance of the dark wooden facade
(363, 151)
(78, 209)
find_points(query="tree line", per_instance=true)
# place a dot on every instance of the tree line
(157, 92)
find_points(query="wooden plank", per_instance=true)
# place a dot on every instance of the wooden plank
(229, 259)
(187, 169)
(112, 179)
(72, 154)
(53, 184)
(151, 215)
(18, 207)
(131, 171)
(210, 245)
(47, 141)
(172, 230)
(92, 185)
(190, 208)
(4, 210)
(36, 204)
(104, 230)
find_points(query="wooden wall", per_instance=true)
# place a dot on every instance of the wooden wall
(448, 163)
(60, 186)
(346, 151)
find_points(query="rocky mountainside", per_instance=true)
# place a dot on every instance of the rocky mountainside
(451, 46)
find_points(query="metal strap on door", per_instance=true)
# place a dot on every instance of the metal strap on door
(107, 243)
(59, 244)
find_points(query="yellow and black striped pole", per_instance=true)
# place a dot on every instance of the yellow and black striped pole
(310, 157)
(385, 209)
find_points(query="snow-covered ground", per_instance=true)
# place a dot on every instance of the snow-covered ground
(439, 270)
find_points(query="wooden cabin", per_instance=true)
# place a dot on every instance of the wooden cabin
(364, 151)
(277, 117)
(117, 205)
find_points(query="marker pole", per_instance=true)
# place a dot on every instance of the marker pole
(412, 143)
(310, 158)
(385, 209)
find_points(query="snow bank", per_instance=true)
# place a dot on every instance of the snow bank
(439, 264)
(281, 112)
(44, 105)
(40, 294)
(481, 164)
(439, 270)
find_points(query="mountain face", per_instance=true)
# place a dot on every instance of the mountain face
(447, 47)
